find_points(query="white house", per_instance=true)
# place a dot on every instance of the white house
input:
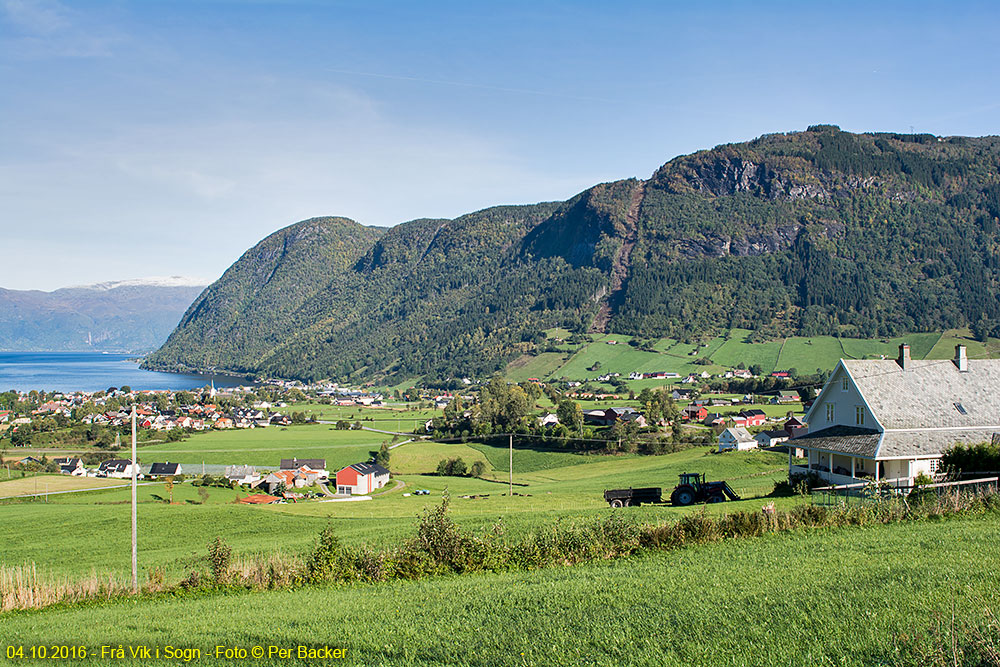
(771, 438)
(120, 468)
(737, 438)
(548, 419)
(890, 420)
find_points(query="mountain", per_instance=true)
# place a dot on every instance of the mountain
(815, 232)
(123, 316)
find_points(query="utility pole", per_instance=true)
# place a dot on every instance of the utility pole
(135, 529)
(510, 467)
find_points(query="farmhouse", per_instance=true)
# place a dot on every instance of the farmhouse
(755, 417)
(771, 438)
(72, 467)
(785, 397)
(361, 478)
(292, 479)
(736, 438)
(315, 466)
(242, 475)
(695, 412)
(165, 469)
(612, 415)
(119, 468)
(888, 420)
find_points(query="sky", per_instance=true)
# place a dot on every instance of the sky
(161, 138)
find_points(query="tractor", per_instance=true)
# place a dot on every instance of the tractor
(694, 489)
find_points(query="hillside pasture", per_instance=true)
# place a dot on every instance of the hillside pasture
(737, 350)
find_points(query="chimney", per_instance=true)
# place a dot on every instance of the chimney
(961, 360)
(904, 356)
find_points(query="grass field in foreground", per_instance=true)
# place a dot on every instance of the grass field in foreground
(78, 533)
(846, 597)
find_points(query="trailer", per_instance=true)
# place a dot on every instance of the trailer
(633, 497)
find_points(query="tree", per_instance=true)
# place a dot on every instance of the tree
(501, 405)
(570, 413)
(477, 469)
(382, 456)
(168, 484)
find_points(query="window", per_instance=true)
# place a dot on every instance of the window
(934, 465)
(859, 415)
(961, 409)
(843, 383)
(829, 412)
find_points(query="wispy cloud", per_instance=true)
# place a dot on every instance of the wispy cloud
(40, 17)
(47, 28)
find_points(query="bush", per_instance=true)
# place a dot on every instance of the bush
(452, 467)
(324, 562)
(219, 555)
(442, 540)
(477, 469)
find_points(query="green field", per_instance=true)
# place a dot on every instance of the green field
(854, 596)
(805, 354)
(555, 485)
(267, 446)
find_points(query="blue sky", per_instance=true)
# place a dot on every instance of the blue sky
(166, 138)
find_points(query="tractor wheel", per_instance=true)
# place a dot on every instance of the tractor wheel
(717, 498)
(617, 503)
(683, 496)
(628, 503)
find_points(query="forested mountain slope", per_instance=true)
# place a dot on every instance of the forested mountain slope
(810, 232)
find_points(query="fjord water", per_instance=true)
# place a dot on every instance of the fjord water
(92, 371)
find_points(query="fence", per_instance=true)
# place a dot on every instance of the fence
(846, 494)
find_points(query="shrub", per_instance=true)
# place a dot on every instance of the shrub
(324, 562)
(441, 539)
(219, 555)
(477, 469)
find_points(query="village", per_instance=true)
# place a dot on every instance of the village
(858, 427)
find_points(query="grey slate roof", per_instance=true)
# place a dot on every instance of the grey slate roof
(295, 464)
(924, 395)
(849, 440)
(740, 433)
(929, 443)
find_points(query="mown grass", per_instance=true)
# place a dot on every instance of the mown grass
(52, 484)
(530, 460)
(848, 596)
(267, 446)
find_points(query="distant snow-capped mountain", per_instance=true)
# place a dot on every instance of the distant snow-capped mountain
(153, 281)
(132, 316)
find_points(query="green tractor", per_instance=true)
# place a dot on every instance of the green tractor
(694, 489)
